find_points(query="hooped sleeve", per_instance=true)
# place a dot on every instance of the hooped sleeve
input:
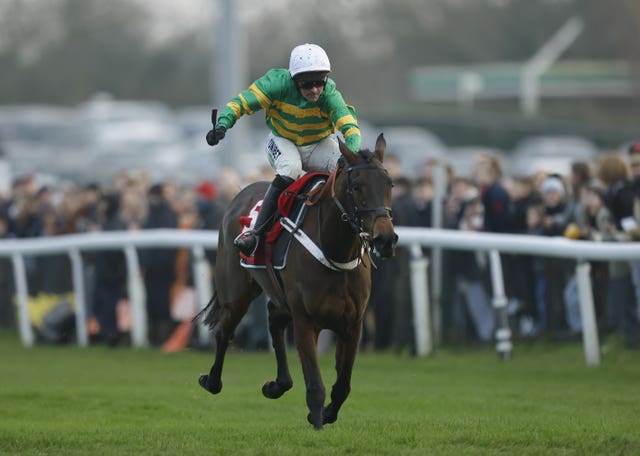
(258, 96)
(343, 116)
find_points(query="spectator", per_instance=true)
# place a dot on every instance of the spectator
(495, 198)
(557, 271)
(579, 180)
(158, 266)
(7, 317)
(620, 303)
(522, 282)
(109, 272)
(471, 297)
(615, 173)
(634, 162)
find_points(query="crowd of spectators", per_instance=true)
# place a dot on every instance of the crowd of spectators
(598, 201)
(130, 202)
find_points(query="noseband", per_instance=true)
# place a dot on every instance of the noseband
(354, 215)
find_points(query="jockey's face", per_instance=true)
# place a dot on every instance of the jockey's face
(312, 94)
(312, 88)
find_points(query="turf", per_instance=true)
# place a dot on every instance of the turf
(67, 400)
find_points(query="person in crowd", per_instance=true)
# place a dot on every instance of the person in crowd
(579, 179)
(389, 280)
(495, 198)
(633, 155)
(471, 299)
(557, 271)
(620, 298)
(135, 207)
(110, 272)
(522, 283)
(158, 266)
(303, 108)
(7, 314)
(615, 173)
(210, 212)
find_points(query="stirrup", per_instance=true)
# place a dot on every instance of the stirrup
(243, 240)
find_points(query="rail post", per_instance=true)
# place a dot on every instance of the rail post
(503, 332)
(420, 300)
(79, 297)
(22, 294)
(204, 290)
(135, 288)
(587, 314)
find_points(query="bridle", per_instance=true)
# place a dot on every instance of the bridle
(353, 214)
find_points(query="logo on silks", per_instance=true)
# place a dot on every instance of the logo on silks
(272, 147)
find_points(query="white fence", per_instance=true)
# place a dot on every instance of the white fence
(414, 238)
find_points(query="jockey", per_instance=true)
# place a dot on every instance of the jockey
(302, 108)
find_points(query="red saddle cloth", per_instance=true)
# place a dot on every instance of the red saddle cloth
(285, 204)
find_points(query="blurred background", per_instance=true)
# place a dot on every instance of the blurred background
(100, 96)
(89, 88)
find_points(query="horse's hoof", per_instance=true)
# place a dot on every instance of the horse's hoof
(274, 390)
(329, 416)
(213, 389)
(317, 424)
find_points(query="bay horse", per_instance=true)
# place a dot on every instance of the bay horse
(351, 215)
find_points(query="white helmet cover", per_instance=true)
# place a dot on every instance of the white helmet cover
(308, 57)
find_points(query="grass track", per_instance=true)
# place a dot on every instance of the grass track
(71, 401)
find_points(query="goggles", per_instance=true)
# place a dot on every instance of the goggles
(307, 85)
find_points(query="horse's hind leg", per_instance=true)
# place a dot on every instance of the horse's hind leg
(278, 321)
(228, 318)
(346, 350)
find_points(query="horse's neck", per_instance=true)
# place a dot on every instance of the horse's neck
(338, 239)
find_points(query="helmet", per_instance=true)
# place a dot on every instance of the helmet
(308, 57)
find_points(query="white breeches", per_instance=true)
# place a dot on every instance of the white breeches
(293, 161)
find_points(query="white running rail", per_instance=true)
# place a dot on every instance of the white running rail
(413, 238)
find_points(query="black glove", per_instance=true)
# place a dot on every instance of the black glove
(214, 136)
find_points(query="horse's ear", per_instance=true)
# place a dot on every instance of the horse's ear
(381, 146)
(347, 153)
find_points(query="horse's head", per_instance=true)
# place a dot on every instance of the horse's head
(368, 197)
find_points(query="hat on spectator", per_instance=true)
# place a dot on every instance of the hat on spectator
(553, 184)
(207, 190)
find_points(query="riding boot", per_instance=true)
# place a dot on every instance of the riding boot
(248, 241)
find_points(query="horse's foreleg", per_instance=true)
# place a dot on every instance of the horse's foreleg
(346, 350)
(230, 316)
(306, 338)
(278, 322)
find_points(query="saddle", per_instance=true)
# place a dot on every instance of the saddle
(292, 204)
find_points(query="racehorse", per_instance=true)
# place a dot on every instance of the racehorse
(351, 216)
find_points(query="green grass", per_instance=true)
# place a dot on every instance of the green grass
(72, 401)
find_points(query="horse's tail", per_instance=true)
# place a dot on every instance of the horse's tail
(210, 312)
